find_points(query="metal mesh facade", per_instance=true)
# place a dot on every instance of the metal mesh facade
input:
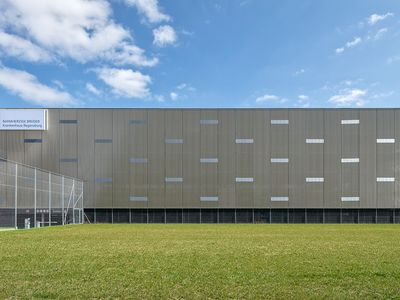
(222, 160)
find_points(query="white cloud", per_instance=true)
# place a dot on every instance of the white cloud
(380, 33)
(299, 72)
(375, 18)
(353, 43)
(348, 97)
(350, 44)
(339, 50)
(125, 82)
(303, 101)
(12, 45)
(303, 97)
(164, 35)
(27, 87)
(127, 54)
(173, 96)
(83, 30)
(150, 9)
(393, 59)
(186, 86)
(91, 88)
(270, 98)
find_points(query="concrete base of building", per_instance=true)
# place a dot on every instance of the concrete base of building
(244, 216)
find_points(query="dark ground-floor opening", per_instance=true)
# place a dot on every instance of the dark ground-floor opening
(244, 216)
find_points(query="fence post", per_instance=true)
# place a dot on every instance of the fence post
(35, 199)
(49, 199)
(73, 201)
(16, 197)
(62, 200)
(82, 211)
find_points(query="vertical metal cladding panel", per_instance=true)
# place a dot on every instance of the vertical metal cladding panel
(120, 154)
(332, 159)
(4, 202)
(397, 157)
(173, 158)
(244, 158)
(191, 158)
(261, 156)
(226, 158)
(86, 157)
(297, 158)
(33, 151)
(385, 158)
(103, 158)
(138, 172)
(279, 148)
(156, 156)
(350, 149)
(314, 157)
(68, 142)
(3, 143)
(368, 158)
(16, 146)
(209, 184)
(51, 142)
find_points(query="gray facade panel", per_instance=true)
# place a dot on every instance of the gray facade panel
(210, 162)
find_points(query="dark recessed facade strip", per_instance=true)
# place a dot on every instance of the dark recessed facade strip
(68, 160)
(103, 179)
(68, 121)
(32, 140)
(103, 141)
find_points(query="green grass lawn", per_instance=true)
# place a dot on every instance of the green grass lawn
(201, 261)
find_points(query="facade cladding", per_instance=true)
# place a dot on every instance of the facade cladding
(223, 165)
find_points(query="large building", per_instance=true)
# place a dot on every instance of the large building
(223, 165)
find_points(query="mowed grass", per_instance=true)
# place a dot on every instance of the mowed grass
(201, 261)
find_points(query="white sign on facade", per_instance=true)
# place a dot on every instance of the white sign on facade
(23, 119)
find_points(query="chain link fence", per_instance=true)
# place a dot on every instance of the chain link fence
(31, 197)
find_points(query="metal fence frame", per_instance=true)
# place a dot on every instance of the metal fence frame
(65, 201)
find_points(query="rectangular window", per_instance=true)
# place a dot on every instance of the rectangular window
(68, 160)
(32, 140)
(68, 121)
(244, 179)
(244, 141)
(209, 198)
(138, 198)
(174, 141)
(137, 122)
(314, 179)
(350, 199)
(279, 122)
(103, 179)
(315, 141)
(173, 179)
(279, 198)
(209, 122)
(350, 122)
(103, 141)
(385, 179)
(385, 141)
(138, 160)
(350, 160)
(279, 160)
(208, 160)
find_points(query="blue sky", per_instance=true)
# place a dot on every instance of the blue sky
(199, 53)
